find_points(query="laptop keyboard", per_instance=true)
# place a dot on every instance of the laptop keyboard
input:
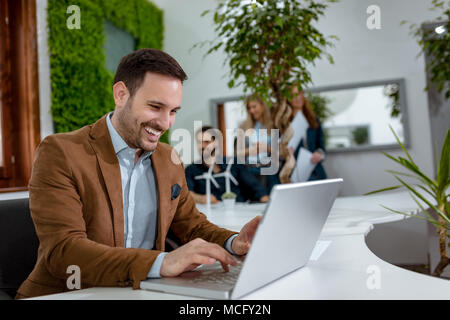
(219, 277)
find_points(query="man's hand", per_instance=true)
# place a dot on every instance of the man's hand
(264, 198)
(241, 244)
(193, 254)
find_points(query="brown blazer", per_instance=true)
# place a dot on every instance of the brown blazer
(76, 205)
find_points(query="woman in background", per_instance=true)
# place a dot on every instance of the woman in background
(256, 149)
(307, 133)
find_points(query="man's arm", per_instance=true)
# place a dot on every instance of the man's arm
(56, 209)
(204, 242)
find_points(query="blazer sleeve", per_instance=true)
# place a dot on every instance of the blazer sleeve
(57, 213)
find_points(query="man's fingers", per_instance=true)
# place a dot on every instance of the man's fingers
(201, 259)
(225, 267)
(214, 251)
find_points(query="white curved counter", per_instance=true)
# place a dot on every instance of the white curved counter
(346, 269)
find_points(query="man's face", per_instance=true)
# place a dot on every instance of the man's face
(206, 144)
(142, 119)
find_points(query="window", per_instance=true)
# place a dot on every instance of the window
(118, 43)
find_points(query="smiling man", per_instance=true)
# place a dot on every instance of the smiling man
(104, 197)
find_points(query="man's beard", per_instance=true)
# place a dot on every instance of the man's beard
(208, 155)
(131, 130)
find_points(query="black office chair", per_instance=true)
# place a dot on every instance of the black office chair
(18, 245)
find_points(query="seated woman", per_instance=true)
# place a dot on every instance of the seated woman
(248, 187)
(307, 133)
(257, 146)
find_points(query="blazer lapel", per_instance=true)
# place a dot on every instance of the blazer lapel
(109, 166)
(164, 195)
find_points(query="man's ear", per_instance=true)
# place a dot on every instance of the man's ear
(120, 94)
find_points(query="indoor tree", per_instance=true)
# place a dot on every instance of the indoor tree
(269, 45)
(435, 43)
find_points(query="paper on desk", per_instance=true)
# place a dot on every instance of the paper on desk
(321, 246)
(304, 167)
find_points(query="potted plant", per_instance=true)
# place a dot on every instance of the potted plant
(229, 199)
(319, 104)
(360, 135)
(436, 211)
(269, 45)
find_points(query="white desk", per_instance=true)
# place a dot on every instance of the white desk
(341, 272)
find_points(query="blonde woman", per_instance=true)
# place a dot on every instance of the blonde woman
(257, 143)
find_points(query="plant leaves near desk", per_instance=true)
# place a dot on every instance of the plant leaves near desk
(421, 197)
(382, 190)
(435, 188)
(443, 177)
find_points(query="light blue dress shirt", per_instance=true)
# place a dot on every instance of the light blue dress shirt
(140, 199)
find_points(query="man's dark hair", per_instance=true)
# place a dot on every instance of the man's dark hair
(133, 67)
(203, 129)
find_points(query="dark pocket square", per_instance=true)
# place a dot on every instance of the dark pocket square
(175, 191)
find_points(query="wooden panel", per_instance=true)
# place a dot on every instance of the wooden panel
(222, 126)
(23, 105)
(6, 169)
(15, 189)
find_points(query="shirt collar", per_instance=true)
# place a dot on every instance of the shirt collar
(118, 143)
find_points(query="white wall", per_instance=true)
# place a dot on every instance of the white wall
(361, 55)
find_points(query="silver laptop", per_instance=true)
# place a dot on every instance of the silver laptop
(284, 241)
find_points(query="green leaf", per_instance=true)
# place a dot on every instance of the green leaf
(425, 211)
(413, 167)
(426, 190)
(443, 170)
(382, 190)
(279, 22)
(432, 206)
(401, 144)
(437, 224)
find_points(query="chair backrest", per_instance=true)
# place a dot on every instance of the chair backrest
(18, 244)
